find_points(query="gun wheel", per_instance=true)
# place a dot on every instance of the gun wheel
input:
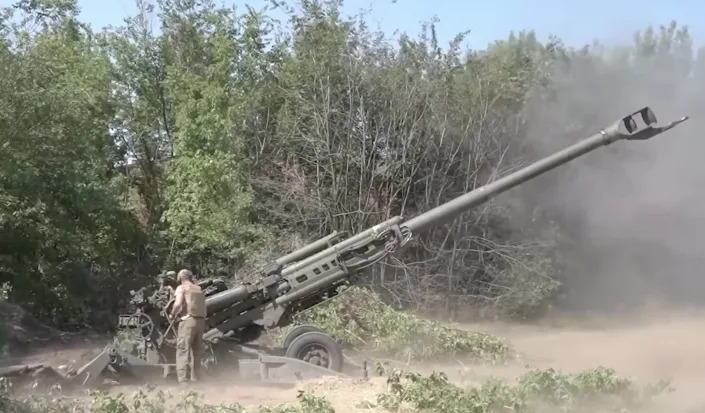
(145, 325)
(316, 348)
(299, 330)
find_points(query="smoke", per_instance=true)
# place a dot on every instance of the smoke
(633, 213)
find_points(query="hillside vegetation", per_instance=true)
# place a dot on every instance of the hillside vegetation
(212, 138)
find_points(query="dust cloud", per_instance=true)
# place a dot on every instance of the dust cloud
(632, 217)
(633, 213)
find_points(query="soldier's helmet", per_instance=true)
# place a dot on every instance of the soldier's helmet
(167, 278)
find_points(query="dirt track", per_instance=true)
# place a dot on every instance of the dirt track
(664, 347)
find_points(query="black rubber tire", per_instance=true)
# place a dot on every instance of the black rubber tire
(299, 330)
(317, 342)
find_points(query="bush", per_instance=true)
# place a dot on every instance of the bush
(360, 319)
(145, 402)
(597, 390)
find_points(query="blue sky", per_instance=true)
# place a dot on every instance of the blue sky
(576, 22)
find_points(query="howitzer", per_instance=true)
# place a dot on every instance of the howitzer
(303, 279)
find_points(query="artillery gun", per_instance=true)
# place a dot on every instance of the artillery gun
(237, 316)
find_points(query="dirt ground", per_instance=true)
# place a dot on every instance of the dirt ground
(667, 346)
(664, 347)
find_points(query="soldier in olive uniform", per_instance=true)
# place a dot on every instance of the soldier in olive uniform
(190, 307)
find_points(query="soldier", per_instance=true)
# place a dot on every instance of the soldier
(167, 280)
(190, 307)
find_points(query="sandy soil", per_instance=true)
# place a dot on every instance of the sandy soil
(652, 348)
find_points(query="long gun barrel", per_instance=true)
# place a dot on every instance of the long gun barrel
(637, 126)
(313, 275)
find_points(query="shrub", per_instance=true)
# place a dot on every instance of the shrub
(360, 319)
(597, 390)
(539, 391)
(149, 401)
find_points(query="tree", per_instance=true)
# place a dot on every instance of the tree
(225, 138)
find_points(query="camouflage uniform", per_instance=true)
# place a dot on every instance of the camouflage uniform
(190, 302)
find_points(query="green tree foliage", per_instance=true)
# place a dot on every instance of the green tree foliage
(65, 232)
(220, 137)
(207, 195)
